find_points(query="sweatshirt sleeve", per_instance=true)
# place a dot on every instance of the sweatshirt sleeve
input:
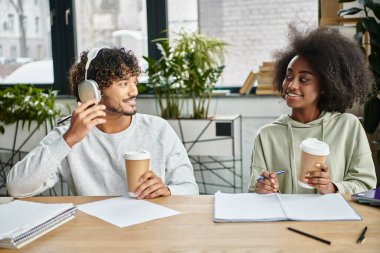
(179, 170)
(39, 170)
(360, 177)
(360, 172)
(257, 162)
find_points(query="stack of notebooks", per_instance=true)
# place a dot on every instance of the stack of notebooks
(22, 221)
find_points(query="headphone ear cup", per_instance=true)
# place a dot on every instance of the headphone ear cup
(87, 90)
(99, 94)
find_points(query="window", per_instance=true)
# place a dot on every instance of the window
(25, 24)
(252, 29)
(13, 52)
(120, 23)
(37, 24)
(52, 35)
(113, 23)
(25, 55)
(11, 22)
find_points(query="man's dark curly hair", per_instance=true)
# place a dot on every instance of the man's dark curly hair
(111, 64)
(338, 61)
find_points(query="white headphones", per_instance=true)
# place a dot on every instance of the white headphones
(89, 89)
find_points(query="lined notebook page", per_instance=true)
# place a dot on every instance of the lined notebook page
(247, 207)
(316, 207)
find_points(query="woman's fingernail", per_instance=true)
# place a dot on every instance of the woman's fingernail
(318, 165)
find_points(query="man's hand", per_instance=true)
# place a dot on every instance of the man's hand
(320, 180)
(267, 185)
(83, 119)
(151, 187)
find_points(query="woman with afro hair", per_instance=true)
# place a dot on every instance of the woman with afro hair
(320, 74)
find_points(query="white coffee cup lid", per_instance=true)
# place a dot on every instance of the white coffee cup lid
(137, 155)
(315, 147)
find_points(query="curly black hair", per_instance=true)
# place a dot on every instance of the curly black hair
(338, 61)
(111, 64)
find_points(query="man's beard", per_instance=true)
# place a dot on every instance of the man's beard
(114, 109)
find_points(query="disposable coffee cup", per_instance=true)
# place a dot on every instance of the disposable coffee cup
(312, 151)
(136, 164)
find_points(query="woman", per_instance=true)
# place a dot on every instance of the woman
(320, 75)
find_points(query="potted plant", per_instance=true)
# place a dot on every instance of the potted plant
(189, 67)
(27, 103)
(368, 24)
(187, 72)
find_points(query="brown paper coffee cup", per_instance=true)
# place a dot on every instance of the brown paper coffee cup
(312, 151)
(136, 164)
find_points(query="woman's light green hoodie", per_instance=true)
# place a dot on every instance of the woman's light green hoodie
(350, 162)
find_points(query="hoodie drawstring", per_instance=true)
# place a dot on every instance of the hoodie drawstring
(323, 128)
(293, 166)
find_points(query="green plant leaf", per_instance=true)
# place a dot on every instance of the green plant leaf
(27, 103)
(351, 11)
(374, 6)
(189, 67)
(371, 25)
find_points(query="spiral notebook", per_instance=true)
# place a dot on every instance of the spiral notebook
(22, 221)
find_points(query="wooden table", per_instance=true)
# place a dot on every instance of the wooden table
(195, 231)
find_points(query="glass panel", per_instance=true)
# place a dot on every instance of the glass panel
(182, 14)
(253, 29)
(25, 42)
(112, 23)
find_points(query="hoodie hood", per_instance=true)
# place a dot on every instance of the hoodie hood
(285, 120)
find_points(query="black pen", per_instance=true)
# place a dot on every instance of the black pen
(309, 235)
(63, 119)
(362, 236)
(68, 117)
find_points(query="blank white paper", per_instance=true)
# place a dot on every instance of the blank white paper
(125, 211)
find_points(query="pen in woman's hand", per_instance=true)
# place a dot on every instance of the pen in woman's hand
(259, 178)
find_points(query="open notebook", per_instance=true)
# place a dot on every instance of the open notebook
(22, 221)
(245, 207)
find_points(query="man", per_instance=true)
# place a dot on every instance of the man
(89, 153)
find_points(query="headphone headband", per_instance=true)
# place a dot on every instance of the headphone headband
(90, 56)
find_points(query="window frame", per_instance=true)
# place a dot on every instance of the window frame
(63, 37)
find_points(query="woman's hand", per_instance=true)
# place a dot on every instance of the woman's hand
(320, 180)
(151, 187)
(267, 185)
(83, 119)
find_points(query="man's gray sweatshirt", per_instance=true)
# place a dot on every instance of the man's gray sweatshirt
(95, 166)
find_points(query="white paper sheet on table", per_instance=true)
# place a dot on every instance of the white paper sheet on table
(125, 211)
